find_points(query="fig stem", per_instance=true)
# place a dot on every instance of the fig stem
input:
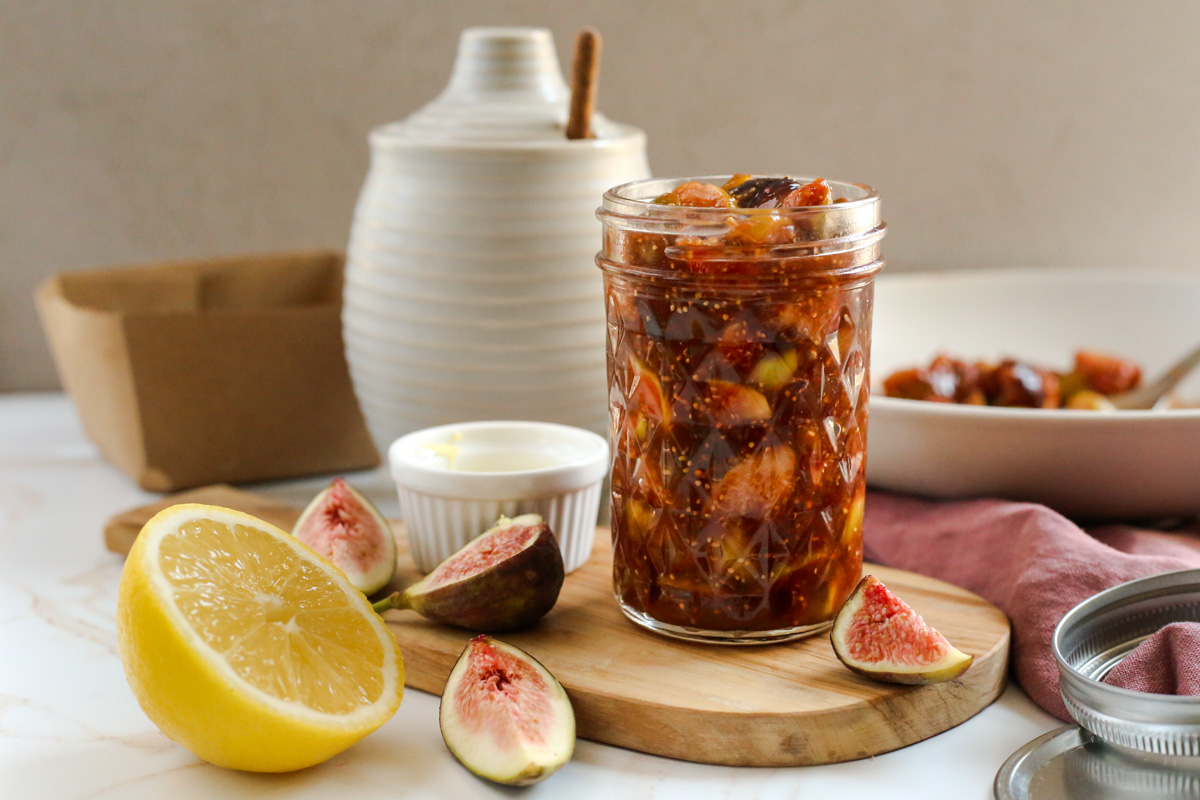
(393, 600)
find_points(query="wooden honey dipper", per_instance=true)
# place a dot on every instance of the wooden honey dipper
(584, 76)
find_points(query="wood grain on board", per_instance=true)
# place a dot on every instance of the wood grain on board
(771, 705)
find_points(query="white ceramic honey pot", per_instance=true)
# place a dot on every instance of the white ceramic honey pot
(471, 289)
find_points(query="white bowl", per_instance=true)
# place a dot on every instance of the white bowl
(512, 468)
(1123, 464)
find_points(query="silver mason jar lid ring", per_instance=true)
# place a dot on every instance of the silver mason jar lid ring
(1097, 634)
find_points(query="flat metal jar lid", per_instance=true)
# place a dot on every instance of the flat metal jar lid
(1094, 636)
(1071, 764)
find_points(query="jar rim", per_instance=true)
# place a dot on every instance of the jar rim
(634, 199)
(838, 241)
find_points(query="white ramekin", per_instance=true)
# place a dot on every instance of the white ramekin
(444, 507)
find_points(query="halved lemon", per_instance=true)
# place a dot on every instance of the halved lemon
(246, 647)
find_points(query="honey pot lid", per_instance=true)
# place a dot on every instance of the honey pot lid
(506, 87)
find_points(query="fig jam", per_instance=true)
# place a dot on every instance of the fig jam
(738, 350)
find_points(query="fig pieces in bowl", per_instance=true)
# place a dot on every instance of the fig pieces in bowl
(879, 636)
(504, 716)
(506, 578)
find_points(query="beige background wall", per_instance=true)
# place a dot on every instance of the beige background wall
(999, 133)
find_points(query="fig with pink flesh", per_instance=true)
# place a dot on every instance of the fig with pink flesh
(347, 529)
(506, 578)
(504, 716)
(879, 636)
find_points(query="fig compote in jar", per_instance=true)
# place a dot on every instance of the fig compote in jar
(739, 338)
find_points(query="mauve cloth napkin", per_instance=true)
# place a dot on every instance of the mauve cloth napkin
(1035, 565)
(1166, 663)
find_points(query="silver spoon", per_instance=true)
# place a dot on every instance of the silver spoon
(1156, 393)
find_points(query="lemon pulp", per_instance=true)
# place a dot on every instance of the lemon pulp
(272, 617)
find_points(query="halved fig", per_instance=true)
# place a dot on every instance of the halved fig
(506, 578)
(347, 529)
(735, 404)
(646, 393)
(879, 636)
(757, 485)
(504, 716)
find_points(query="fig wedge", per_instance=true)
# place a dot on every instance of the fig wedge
(347, 529)
(879, 636)
(504, 716)
(506, 578)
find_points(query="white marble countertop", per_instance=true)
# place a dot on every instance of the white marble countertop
(71, 729)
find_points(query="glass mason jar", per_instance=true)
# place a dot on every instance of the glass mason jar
(738, 349)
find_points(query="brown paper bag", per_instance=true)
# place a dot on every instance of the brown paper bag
(225, 370)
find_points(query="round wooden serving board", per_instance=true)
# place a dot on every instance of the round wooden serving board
(769, 705)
